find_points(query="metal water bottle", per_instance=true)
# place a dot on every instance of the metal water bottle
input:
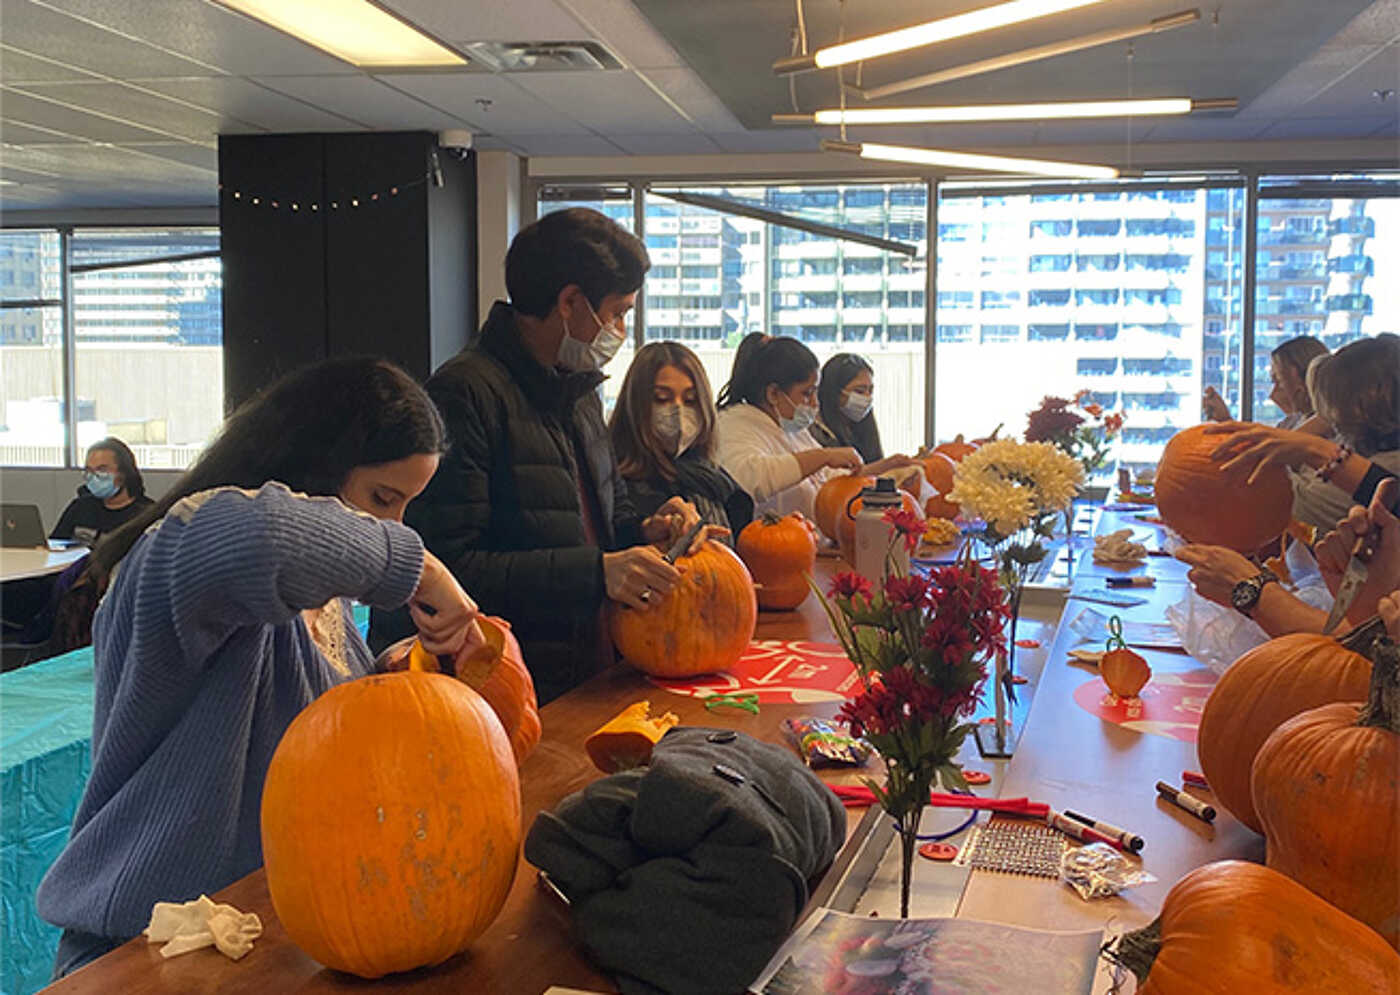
(872, 532)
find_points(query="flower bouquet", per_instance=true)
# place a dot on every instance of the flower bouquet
(1018, 490)
(1087, 437)
(921, 646)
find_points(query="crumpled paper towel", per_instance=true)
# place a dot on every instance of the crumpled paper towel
(1117, 548)
(186, 926)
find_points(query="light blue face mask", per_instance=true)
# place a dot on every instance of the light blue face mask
(100, 485)
(803, 417)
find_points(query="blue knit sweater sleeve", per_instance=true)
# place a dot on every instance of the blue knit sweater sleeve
(234, 558)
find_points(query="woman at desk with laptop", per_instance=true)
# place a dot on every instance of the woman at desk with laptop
(112, 494)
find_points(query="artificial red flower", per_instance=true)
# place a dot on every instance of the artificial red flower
(908, 525)
(1113, 423)
(1094, 409)
(906, 593)
(848, 584)
(1051, 421)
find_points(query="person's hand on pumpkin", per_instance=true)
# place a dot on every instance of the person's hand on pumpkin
(892, 465)
(1213, 406)
(671, 521)
(842, 458)
(1389, 610)
(1249, 448)
(442, 611)
(1215, 570)
(639, 577)
(1383, 572)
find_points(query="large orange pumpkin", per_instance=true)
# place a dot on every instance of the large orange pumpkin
(1207, 506)
(1233, 927)
(846, 523)
(391, 823)
(703, 626)
(940, 468)
(497, 673)
(1263, 689)
(1326, 786)
(831, 501)
(956, 449)
(780, 553)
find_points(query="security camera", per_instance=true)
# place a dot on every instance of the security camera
(457, 139)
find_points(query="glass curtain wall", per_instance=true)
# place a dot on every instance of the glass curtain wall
(31, 349)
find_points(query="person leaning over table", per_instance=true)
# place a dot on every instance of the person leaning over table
(1288, 369)
(224, 616)
(112, 494)
(663, 435)
(766, 412)
(527, 507)
(845, 402)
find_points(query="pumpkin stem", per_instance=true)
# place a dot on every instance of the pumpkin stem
(1137, 950)
(1382, 708)
(771, 518)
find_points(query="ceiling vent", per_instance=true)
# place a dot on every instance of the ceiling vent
(541, 56)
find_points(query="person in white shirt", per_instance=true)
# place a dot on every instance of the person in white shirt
(763, 437)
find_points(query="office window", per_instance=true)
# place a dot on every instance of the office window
(1098, 262)
(1050, 263)
(31, 349)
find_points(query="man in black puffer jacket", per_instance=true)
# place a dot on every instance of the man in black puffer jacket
(527, 507)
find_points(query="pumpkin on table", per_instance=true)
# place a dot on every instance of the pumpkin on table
(1123, 670)
(1263, 689)
(940, 469)
(832, 499)
(956, 449)
(1326, 786)
(1236, 928)
(780, 552)
(1206, 505)
(626, 740)
(701, 627)
(391, 823)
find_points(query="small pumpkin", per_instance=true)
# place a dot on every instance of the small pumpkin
(846, 524)
(497, 673)
(626, 740)
(1262, 689)
(780, 553)
(701, 627)
(1326, 785)
(391, 823)
(1124, 671)
(832, 498)
(940, 469)
(1233, 927)
(1208, 506)
(955, 450)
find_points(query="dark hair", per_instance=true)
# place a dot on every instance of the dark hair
(640, 455)
(1357, 390)
(863, 435)
(573, 246)
(126, 464)
(761, 360)
(1298, 353)
(308, 431)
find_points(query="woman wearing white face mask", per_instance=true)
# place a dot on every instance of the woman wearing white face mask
(663, 437)
(845, 416)
(766, 412)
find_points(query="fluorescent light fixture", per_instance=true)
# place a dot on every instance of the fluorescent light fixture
(357, 31)
(1167, 23)
(929, 33)
(968, 160)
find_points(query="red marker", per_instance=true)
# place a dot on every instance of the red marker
(1195, 779)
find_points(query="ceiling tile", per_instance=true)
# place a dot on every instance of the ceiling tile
(39, 30)
(17, 68)
(101, 163)
(363, 99)
(484, 20)
(136, 107)
(1324, 127)
(242, 100)
(695, 98)
(605, 101)
(14, 133)
(1206, 129)
(554, 145)
(510, 110)
(694, 144)
(796, 140)
(26, 109)
(620, 26)
(199, 156)
(208, 33)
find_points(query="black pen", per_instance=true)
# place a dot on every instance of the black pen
(1189, 803)
(1130, 841)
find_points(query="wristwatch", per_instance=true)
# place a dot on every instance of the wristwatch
(1245, 595)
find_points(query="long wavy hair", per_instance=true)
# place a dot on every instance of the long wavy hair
(863, 435)
(1357, 391)
(640, 454)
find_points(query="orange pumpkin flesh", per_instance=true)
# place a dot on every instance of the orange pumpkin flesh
(780, 553)
(701, 627)
(831, 501)
(626, 740)
(1326, 786)
(1236, 928)
(391, 823)
(1262, 689)
(1125, 672)
(1208, 506)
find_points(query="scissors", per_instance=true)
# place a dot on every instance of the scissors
(679, 547)
(1355, 575)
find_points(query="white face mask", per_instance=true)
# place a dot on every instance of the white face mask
(676, 425)
(580, 357)
(803, 417)
(857, 406)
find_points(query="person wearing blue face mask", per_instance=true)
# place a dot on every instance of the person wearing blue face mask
(112, 494)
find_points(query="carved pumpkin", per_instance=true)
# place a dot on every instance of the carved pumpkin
(391, 823)
(1125, 672)
(497, 673)
(626, 740)
(1262, 689)
(1326, 786)
(701, 627)
(780, 552)
(846, 524)
(1234, 927)
(832, 499)
(1207, 506)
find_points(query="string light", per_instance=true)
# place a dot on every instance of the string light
(354, 201)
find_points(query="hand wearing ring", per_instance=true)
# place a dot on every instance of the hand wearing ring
(645, 596)
(639, 576)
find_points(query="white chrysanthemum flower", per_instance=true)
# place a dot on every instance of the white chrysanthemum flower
(1007, 483)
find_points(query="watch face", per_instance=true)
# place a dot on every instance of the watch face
(1244, 595)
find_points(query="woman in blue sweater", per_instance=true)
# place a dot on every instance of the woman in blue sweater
(223, 617)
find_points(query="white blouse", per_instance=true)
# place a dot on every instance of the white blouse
(758, 454)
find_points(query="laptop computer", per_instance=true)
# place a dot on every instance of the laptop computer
(22, 527)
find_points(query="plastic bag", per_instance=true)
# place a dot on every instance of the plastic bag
(821, 743)
(1099, 871)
